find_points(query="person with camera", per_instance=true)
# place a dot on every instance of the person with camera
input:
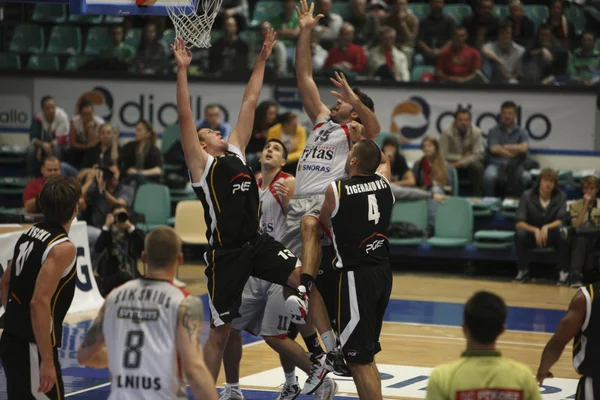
(119, 247)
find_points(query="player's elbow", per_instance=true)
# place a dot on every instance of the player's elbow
(82, 356)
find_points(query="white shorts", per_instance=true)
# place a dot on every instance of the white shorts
(298, 208)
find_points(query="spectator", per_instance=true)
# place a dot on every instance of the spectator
(546, 61)
(319, 54)
(229, 54)
(461, 144)
(119, 49)
(365, 24)
(107, 150)
(584, 64)
(385, 60)
(584, 212)
(286, 23)
(508, 147)
(277, 62)
(237, 9)
(292, 135)
(406, 25)
(347, 57)
(213, 119)
(265, 116)
(506, 56)
(432, 172)
(152, 54)
(400, 173)
(482, 27)
(50, 167)
(542, 211)
(435, 32)
(49, 131)
(562, 28)
(141, 159)
(459, 62)
(329, 26)
(379, 9)
(523, 28)
(83, 133)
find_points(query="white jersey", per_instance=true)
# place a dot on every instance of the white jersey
(323, 158)
(140, 320)
(272, 213)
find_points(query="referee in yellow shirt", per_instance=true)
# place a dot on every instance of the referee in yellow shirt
(482, 372)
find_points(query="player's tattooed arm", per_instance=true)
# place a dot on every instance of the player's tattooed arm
(92, 352)
(190, 318)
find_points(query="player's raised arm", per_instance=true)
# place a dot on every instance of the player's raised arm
(385, 168)
(311, 100)
(243, 130)
(189, 348)
(92, 352)
(195, 156)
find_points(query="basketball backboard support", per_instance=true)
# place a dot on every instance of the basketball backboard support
(120, 7)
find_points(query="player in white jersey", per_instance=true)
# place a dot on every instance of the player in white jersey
(148, 332)
(263, 310)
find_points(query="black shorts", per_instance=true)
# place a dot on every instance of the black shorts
(21, 362)
(228, 270)
(363, 297)
(588, 388)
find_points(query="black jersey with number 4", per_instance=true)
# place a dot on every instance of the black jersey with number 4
(586, 346)
(360, 221)
(29, 255)
(229, 194)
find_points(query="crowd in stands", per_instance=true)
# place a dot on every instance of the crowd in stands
(480, 41)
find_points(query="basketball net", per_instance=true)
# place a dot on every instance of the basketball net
(191, 24)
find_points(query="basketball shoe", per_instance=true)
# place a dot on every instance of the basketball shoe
(327, 390)
(335, 358)
(318, 372)
(289, 391)
(232, 393)
(297, 305)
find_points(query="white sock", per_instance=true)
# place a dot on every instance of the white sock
(328, 339)
(290, 378)
(233, 385)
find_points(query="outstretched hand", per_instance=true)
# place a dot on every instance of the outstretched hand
(305, 15)
(268, 44)
(183, 56)
(347, 94)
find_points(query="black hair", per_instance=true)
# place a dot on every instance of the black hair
(260, 116)
(85, 104)
(368, 155)
(462, 110)
(509, 104)
(144, 43)
(484, 316)
(45, 99)
(209, 106)
(58, 199)
(286, 117)
(366, 100)
(285, 151)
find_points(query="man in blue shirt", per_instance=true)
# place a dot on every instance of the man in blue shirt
(506, 142)
(213, 119)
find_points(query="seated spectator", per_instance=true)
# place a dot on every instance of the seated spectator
(213, 119)
(562, 28)
(119, 49)
(347, 57)
(400, 173)
(506, 56)
(435, 32)
(49, 131)
(237, 9)
(265, 116)
(462, 147)
(584, 212)
(366, 25)
(152, 54)
(584, 64)
(329, 26)
(546, 61)
(507, 146)
(141, 159)
(83, 133)
(319, 54)
(542, 211)
(50, 167)
(523, 28)
(119, 246)
(286, 23)
(482, 26)
(292, 135)
(385, 60)
(459, 62)
(229, 53)
(406, 25)
(107, 150)
(379, 9)
(277, 62)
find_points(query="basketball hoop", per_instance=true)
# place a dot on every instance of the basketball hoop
(191, 24)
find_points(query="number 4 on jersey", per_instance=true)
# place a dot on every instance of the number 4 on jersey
(373, 209)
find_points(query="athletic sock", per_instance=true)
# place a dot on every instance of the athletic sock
(233, 385)
(313, 345)
(290, 378)
(328, 339)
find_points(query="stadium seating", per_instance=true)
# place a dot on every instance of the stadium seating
(453, 223)
(133, 37)
(265, 10)
(189, 222)
(27, 38)
(85, 19)
(48, 12)
(577, 17)
(98, 39)
(420, 70)
(154, 202)
(413, 212)
(458, 12)
(537, 13)
(170, 136)
(168, 37)
(493, 239)
(75, 62)
(65, 40)
(421, 10)
(43, 63)
(501, 11)
(343, 8)
(9, 61)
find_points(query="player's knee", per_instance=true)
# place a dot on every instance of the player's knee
(359, 367)
(220, 335)
(274, 339)
(310, 225)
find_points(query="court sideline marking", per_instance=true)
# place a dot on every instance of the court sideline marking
(409, 335)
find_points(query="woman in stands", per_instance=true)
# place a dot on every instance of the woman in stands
(292, 135)
(83, 134)
(265, 117)
(107, 149)
(141, 159)
(401, 174)
(562, 28)
(152, 54)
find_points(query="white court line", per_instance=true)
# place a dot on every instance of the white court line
(458, 327)
(407, 335)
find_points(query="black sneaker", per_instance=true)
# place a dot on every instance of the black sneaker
(336, 359)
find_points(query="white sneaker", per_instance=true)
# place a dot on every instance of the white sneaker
(327, 390)
(178, 283)
(318, 372)
(563, 276)
(289, 391)
(297, 305)
(231, 393)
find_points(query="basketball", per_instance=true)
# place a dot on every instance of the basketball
(145, 3)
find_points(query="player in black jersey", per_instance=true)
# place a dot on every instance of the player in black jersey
(582, 322)
(358, 210)
(229, 194)
(37, 289)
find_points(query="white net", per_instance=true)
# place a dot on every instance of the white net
(193, 21)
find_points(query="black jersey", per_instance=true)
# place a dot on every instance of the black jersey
(229, 194)
(586, 346)
(29, 255)
(360, 221)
